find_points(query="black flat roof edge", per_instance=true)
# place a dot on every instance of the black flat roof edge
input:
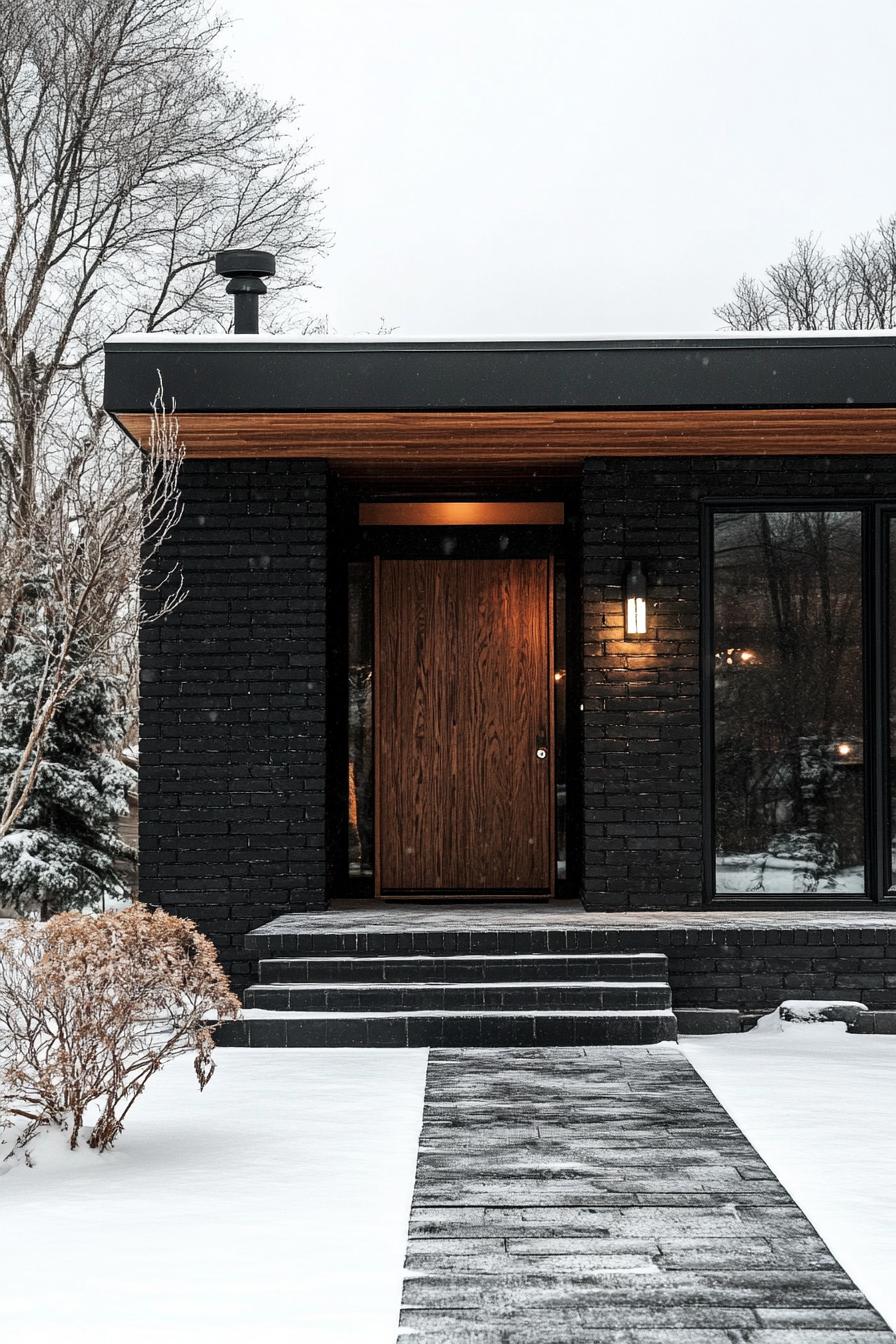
(742, 371)
(327, 344)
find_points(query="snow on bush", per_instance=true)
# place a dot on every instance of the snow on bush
(91, 1006)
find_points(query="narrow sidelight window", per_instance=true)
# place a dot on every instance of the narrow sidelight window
(560, 740)
(788, 695)
(360, 720)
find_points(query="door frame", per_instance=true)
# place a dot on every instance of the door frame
(349, 542)
(450, 893)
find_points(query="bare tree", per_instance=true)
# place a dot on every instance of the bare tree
(868, 263)
(813, 290)
(752, 307)
(128, 157)
(73, 572)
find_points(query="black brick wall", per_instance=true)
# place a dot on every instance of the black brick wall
(642, 766)
(753, 970)
(233, 702)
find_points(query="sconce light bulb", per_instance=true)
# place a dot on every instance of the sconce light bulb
(635, 592)
(636, 616)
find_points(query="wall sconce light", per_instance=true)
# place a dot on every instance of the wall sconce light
(635, 600)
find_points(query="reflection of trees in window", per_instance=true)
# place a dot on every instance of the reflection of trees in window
(360, 721)
(560, 713)
(788, 702)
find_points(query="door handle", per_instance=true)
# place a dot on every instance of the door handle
(540, 753)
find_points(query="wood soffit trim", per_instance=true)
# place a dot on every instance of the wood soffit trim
(522, 437)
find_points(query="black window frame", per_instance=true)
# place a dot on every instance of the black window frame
(875, 515)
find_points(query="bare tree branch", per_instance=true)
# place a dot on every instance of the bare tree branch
(812, 290)
(83, 579)
(128, 157)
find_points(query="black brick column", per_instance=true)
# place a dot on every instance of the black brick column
(641, 744)
(642, 832)
(232, 785)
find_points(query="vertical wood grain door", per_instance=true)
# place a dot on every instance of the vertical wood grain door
(464, 727)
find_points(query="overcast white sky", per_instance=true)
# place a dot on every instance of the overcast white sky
(538, 166)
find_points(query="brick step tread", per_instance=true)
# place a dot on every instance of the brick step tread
(637, 957)
(447, 940)
(484, 967)
(507, 995)
(250, 1014)
(262, 1030)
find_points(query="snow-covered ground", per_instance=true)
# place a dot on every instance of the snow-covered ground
(820, 1108)
(274, 1205)
(276, 1202)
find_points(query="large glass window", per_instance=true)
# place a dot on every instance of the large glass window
(788, 702)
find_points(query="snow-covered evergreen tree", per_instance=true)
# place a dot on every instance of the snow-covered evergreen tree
(61, 854)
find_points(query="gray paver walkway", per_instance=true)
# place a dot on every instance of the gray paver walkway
(603, 1196)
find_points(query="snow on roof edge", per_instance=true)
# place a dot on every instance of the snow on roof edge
(297, 338)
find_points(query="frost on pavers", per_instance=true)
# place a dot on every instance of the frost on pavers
(516, 1190)
(625, 1205)
(518, 1291)
(599, 1219)
(462, 1265)
(626, 1328)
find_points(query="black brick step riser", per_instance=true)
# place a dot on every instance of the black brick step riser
(396, 969)
(506, 1030)
(435, 942)
(397, 998)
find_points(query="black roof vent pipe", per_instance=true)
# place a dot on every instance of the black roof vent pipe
(244, 268)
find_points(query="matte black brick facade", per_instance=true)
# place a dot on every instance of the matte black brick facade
(753, 970)
(233, 782)
(642, 758)
(233, 704)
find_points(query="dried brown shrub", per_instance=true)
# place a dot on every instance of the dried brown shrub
(92, 1006)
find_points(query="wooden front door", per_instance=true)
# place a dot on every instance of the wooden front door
(464, 727)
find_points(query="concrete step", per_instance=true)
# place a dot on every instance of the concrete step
(528, 967)
(508, 995)
(259, 1029)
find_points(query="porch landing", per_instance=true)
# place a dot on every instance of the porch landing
(468, 916)
(725, 967)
